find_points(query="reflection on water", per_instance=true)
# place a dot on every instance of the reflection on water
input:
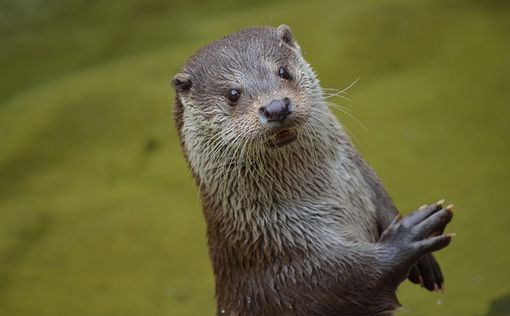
(500, 306)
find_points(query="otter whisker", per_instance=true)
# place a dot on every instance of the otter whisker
(241, 159)
(282, 169)
(220, 148)
(263, 162)
(343, 110)
(254, 170)
(315, 159)
(332, 95)
(338, 106)
(339, 93)
(351, 133)
(253, 167)
(238, 138)
(322, 116)
(224, 146)
(217, 141)
(344, 90)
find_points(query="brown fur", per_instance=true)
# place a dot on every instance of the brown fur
(305, 229)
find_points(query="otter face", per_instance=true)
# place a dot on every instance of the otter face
(252, 84)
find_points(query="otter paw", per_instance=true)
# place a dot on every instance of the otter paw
(427, 273)
(415, 235)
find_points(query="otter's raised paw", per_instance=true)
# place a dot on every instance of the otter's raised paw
(427, 273)
(413, 236)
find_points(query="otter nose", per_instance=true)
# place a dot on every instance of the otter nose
(276, 110)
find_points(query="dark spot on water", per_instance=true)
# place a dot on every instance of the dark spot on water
(150, 145)
(500, 306)
(181, 297)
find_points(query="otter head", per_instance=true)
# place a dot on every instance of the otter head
(245, 97)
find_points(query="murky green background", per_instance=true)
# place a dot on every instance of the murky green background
(98, 213)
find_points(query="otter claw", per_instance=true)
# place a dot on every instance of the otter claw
(427, 273)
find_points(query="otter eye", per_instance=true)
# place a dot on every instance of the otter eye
(283, 73)
(233, 95)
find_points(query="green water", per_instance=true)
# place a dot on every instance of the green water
(98, 213)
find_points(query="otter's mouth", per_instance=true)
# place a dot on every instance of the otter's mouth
(283, 137)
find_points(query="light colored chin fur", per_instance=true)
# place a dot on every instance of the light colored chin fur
(311, 178)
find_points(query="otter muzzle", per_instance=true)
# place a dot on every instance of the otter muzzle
(276, 110)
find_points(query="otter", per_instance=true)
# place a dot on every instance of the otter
(297, 221)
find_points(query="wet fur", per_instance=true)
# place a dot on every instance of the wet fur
(291, 230)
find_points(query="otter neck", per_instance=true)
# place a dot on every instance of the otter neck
(269, 207)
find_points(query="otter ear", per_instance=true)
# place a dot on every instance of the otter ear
(181, 82)
(285, 34)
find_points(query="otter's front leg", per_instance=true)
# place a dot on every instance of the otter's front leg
(376, 270)
(427, 271)
(414, 236)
